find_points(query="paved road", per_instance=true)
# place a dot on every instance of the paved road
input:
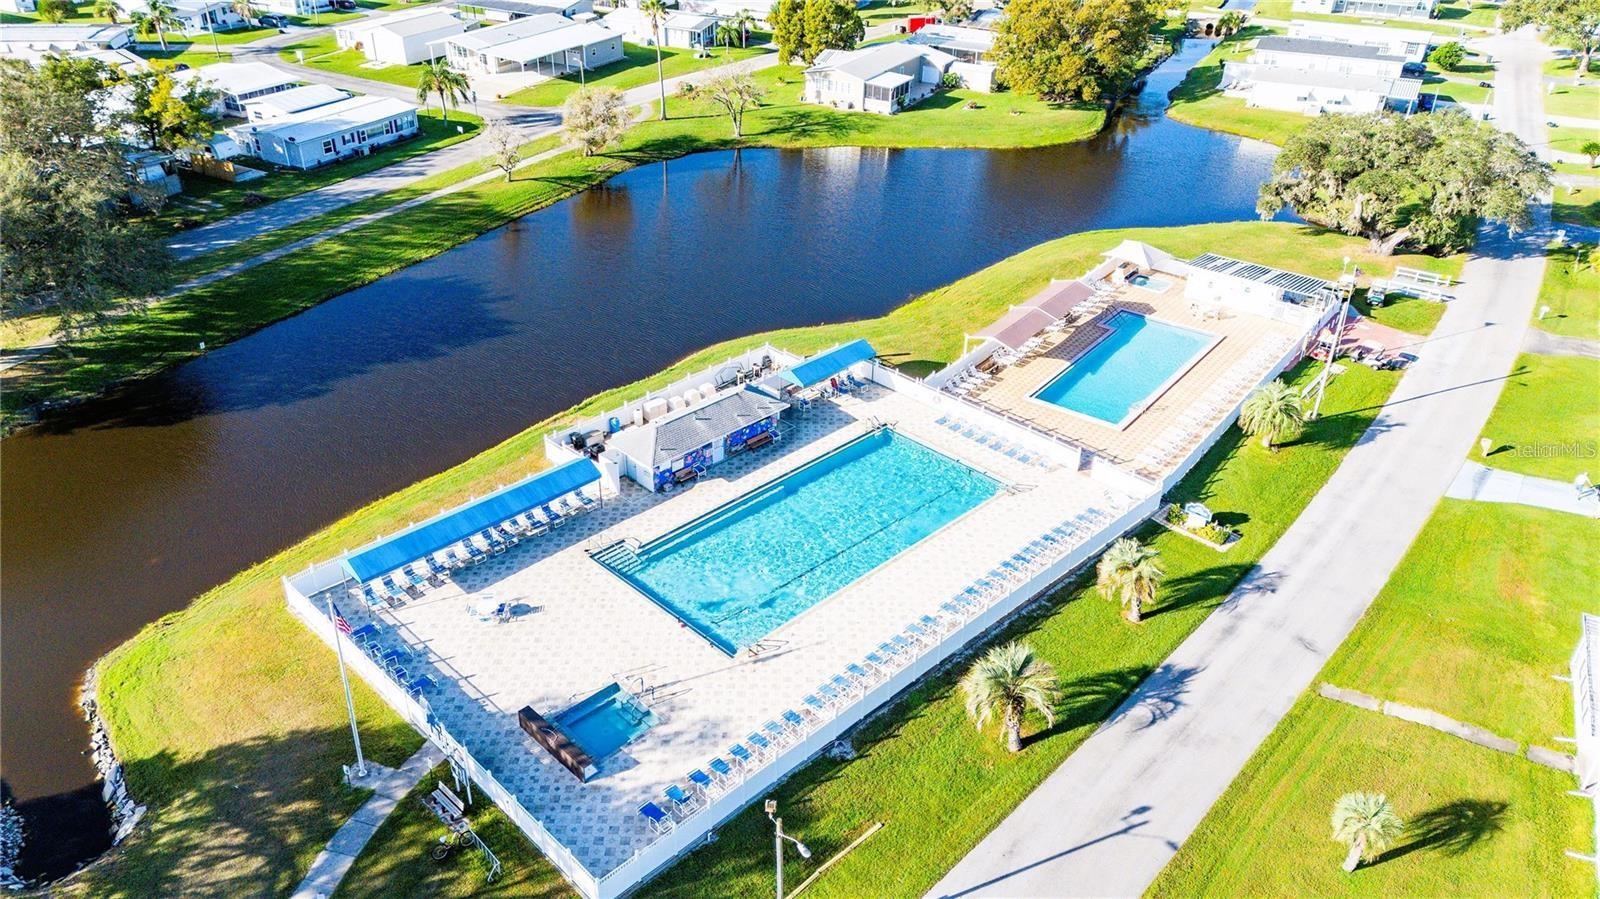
(1108, 820)
(1539, 341)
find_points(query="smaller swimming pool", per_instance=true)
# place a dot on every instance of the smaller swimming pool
(1119, 376)
(1150, 283)
(606, 722)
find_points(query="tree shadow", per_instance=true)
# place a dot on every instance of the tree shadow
(1090, 699)
(1453, 828)
(1208, 586)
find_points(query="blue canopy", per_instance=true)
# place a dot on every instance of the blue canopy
(431, 536)
(823, 366)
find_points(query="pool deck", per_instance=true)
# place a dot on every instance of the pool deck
(580, 627)
(1248, 345)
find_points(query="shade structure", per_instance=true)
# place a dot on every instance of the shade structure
(1140, 254)
(1018, 324)
(823, 366)
(458, 524)
(1060, 297)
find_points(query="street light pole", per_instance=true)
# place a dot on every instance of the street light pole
(778, 836)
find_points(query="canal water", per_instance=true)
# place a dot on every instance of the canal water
(123, 509)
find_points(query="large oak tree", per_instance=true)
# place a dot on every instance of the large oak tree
(1573, 23)
(1074, 50)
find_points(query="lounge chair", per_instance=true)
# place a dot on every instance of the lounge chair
(438, 568)
(902, 644)
(888, 648)
(371, 598)
(933, 624)
(417, 580)
(793, 719)
(680, 800)
(843, 685)
(419, 685)
(364, 633)
(818, 704)
(761, 744)
(919, 632)
(777, 732)
(859, 673)
(702, 781)
(660, 821)
(879, 661)
(392, 591)
(741, 754)
(475, 553)
(552, 516)
(496, 545)
(720, 768)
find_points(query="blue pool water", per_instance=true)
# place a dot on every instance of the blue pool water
(738, 573)
(606, 721)
(1124, 368)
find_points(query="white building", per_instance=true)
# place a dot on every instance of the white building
(1313, 77)
(403, 38)
(238, 83)
(195, 16)
(293, 7)
(546, 43)
(296, 99)
(506, 10)
(970, 46)
(325, 134)
(883, 78)
(1410, 43)
(32, 42)
(18, 5)
(1379, 9)
(680, 29)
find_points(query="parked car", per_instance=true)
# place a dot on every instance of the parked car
(273, 20)
(344, 4)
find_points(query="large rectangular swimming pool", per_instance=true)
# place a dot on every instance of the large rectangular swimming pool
(742, 571)
(1117, 378)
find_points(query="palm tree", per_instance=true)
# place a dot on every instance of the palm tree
(1367, 823)
(1274, 412)
(745, 22)
(1591, 149)
(1007, 681)
(1130, 571)
(245, 9)
(1231, 21)
(108, 10)
(656, 12)
(727, 32)
(157, 16)
(438, 78)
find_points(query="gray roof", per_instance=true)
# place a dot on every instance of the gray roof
(668, 439)
(1314, 47)
(516, 7)
(872, 61)
(1404, 89)
(1289, 282)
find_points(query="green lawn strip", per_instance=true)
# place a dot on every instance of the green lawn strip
(1582, 102)
(190, 55)
(1515, 579)
(880, 12)
(1453, 17)
(1409, 314)
(1578, 205)
(322, 52)
(203, 40)
(1567, 66)
(1547, 419)
(1481, 822)
(1571, 289)
(1199, 100)
(636, 68)
(1475, 65)
(402, 866)
(1578, 168)
(1571, 140)
(234, 671)
(1457, 90)
(206, 200)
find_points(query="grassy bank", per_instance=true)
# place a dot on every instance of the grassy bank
(1548, 418)
(1199, 100)
(1581, 102)
(198, 701)
(1577, 205)
(1571, 289)
(1482, 823)
(170, 332)
(1452, 16)
(637, 67)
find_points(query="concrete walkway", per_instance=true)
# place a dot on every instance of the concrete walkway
(389, 786)
(1108, 820)
(1491, 485)
(1545, 343)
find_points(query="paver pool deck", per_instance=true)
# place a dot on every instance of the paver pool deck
(581, 627)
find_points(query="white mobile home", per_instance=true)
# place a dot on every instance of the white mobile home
(1315, 93)
(32, 42)
(238, 83)
(1306, 55)
(403, 38)
(492, 11)
(1410, 43)
(195, 16)
(325, 134)
(1378, 9)
(18, 5)
(297, 99)
(293, 7)
(679, 29)
(547, 44)
(884, 78)
(972, 48)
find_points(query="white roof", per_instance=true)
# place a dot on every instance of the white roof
(870, 62)
(1141, 254)
(514, 30)
(890, 79)
(296, 99)
(538, 46)
(1377, 35)
(316, 124)
(628, 18)
(64, 36)
(416, 21)
(972, 40)
(238, 77)
(1397, 88)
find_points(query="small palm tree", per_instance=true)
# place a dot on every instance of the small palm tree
(1273, 412)
(1008, 681)
(1367, 823)
(656, 12)
(439, 78)
(245, 9)
(745, 22)
(108, 10)
(1591, 149)
(727, 33)
(158, 16)
(1131, 572)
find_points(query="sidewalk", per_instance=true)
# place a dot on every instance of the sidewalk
(1491, 485)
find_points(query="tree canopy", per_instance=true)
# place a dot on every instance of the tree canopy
(805, 28)
(68, 243)
(169, 115)
(1448, 56)
(1074, 50)
(1424, 179)
(1572, 23)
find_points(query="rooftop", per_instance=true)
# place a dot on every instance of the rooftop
(1395, 88)
(414, 21)
(971, 40)
(514, 30)
(296, 99)
(238, 77)
(1294, 283)
(64, 34)
(869, 62)
(668, 438)
(314, 124)
(1314, 47)
(515, 7)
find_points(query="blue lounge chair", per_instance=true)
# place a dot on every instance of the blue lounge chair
(919, 631)
(933, 624)
(889, 649)
(762, 744)
(702, 781)
(411, 574)
(680, 800)
(496, 545)
(777, 732)
(659, 820)
(741, 754)
(793, 719)
(373, 601)
(841, 684)
(419, 685)
(453, 560)
(438, 568)
(720, 767)
(901, 644)
(392, 591)
(512, 538)
(475, 553)
(817, 703)
(858, 672)
(878, 661)
(552, 516)
(364, 633)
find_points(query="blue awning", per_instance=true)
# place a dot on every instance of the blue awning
(431, 536)
(823, 366)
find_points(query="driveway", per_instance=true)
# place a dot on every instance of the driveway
(1108, 820)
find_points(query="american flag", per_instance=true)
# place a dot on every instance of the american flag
(339, 622)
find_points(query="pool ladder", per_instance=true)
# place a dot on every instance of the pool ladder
(622, 557)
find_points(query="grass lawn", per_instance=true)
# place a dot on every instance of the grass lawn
(1571, 289)
(209, 199)
(212, 687)
(1478, 641)
(1581, 102)
(637, 67)
(1199, 100)
(1547, 419)
(1409, 314)
(191, 55)
(1578, 205)
(321, 52)
(1475, 64)
(204, 41)
(1567, 66)
(1454, 15)
(1571, 140)
(1459, 91)
(1480, 822)
(880, 12)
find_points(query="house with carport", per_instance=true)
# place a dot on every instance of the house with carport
(238, 83)
(402, 39)
(882, 78)
(546, 44)
(685, 30)
(325, 134)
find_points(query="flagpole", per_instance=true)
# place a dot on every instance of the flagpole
(349, 701)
